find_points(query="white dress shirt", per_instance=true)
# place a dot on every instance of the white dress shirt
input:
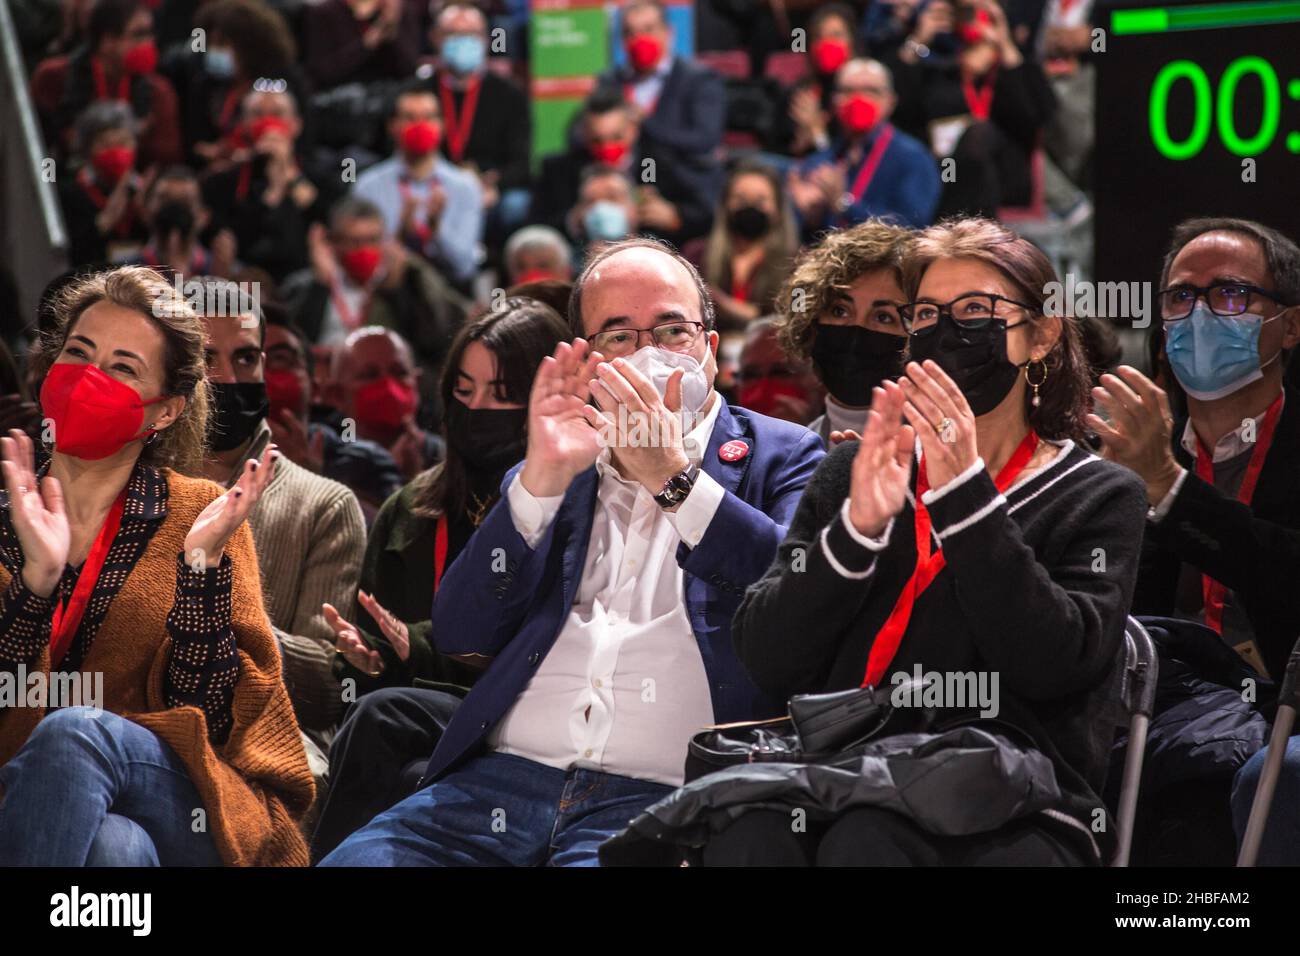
(624, 687)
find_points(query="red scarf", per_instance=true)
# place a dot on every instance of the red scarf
(928, 565)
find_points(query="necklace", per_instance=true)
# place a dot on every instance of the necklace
(479, 509)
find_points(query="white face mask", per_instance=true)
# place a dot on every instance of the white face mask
(659, 364)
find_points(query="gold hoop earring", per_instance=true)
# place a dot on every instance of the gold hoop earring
(1035, 401)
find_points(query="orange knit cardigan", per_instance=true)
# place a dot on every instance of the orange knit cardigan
(255, 785)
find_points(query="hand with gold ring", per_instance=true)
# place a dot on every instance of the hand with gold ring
(349, 643)
(938, 411)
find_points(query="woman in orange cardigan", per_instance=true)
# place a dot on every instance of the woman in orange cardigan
(146, 721)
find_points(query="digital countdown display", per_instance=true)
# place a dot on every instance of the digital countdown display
(1198, 113)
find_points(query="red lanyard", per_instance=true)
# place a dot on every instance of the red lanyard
(979, 102)
(101, 82)
(245, 180)
(228, 105)
(458, 128)
(350, 319)
(1212, 591)
(64, 624)
(423, 231)
(123, 227)
(439, 552)
(740, 289)
(868, 170)
(929, 565)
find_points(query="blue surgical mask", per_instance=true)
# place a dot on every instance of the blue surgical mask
(219, 64)
(605, 221)
(1215, 355)
(463, 53)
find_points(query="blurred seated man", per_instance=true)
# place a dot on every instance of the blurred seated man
(605, 210)
(536, 253)
(433, 207)
(362, 466)
(872, 169)
(1223, 534)
(679, 105)
(771, 382)
(176, 214)
(117, 64)
(101, 202)
(673, 200)
(487, 115)
(359, 278)
(308, 530)
(359, 41)
(269, 200)
(374, 383)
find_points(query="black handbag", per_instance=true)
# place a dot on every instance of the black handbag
(817, 726)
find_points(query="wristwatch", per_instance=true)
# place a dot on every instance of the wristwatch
(920, 50)
(678, 487)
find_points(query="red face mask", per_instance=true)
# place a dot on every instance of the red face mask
(610, 153)
(141, 58)
(973, 32)
(283, 391)
(94, 414)
(254, 130)
(858, 113)
(420, 138)
(360, 264)
(385, 403)
(537, 275)
(644, 51)
(829, 54)
(113, 162)
(762, 397)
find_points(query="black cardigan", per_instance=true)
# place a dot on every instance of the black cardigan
(1252, 549)
(1023, 594)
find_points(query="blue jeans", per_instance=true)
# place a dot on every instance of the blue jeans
(1281, 843)
(501, 810)
(90, 788)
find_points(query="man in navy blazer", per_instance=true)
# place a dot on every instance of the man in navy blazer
(602, 586)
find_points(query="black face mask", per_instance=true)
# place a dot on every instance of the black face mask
(489, 439)
(748, 222)
(237, 409)
(173, 217)
(851, 360)
(976, 359)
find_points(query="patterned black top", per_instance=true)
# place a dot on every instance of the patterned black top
(204, 664)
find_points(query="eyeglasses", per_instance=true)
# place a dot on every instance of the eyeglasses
(673, 336)
(973, 311)
(1223, 298)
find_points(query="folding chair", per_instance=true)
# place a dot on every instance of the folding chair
(1138, 693)
(1283, 723)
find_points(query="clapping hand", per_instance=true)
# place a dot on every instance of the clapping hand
(212, 529)
(562, 442)
(38, 515)
(883, 464)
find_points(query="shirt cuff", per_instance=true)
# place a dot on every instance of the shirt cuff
(934, 494)
(531, 515)
(1158, 513)
(877, 543)
(693, 516)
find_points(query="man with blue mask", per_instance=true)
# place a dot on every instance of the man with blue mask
(620, 557)
(605, 211)
(486, 118)
(1223, 539)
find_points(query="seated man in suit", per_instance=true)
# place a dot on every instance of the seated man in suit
(674, 197)
(603, 585)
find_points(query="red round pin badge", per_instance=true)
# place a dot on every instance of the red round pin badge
(733, 450)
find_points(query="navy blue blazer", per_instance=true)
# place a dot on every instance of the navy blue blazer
(905, 188)
(503, 599)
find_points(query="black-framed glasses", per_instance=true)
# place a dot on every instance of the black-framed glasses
(674, 336)
(972, 311)
(1223, 298)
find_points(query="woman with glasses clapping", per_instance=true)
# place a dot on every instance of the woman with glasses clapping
(967, 532)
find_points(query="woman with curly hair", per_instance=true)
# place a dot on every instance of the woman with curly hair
(155, 728)
(840, 309)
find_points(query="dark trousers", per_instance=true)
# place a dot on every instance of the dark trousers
(992, 172)
(869, 836)
(378, 757)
